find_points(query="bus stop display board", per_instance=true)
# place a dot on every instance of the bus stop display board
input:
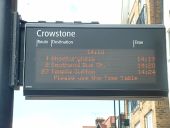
(95, 60)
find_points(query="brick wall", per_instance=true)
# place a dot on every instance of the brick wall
(154, 11)
(139, 114)
(160, 114)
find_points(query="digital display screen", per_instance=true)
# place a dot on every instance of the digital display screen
(95, 65)
(67, 59)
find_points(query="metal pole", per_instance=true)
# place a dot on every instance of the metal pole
(115, 113)
(6, 92)
(119, 116)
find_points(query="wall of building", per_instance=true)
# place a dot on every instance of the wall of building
(141, 111)
(134, 13)
(162, 112)
(154, 11)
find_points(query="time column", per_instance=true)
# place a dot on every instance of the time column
(146, 66)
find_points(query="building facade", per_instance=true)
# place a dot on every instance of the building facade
(147, 114)
(150, 114)
(142, 11)
(110, 122)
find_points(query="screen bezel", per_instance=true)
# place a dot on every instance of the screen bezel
(160, 88)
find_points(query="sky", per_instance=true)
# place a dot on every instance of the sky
(59, 113)
(64, 113)
(104, 11)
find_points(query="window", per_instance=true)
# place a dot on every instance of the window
(134, 104)
(148, 120)
(142, 3)
(137, 125)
